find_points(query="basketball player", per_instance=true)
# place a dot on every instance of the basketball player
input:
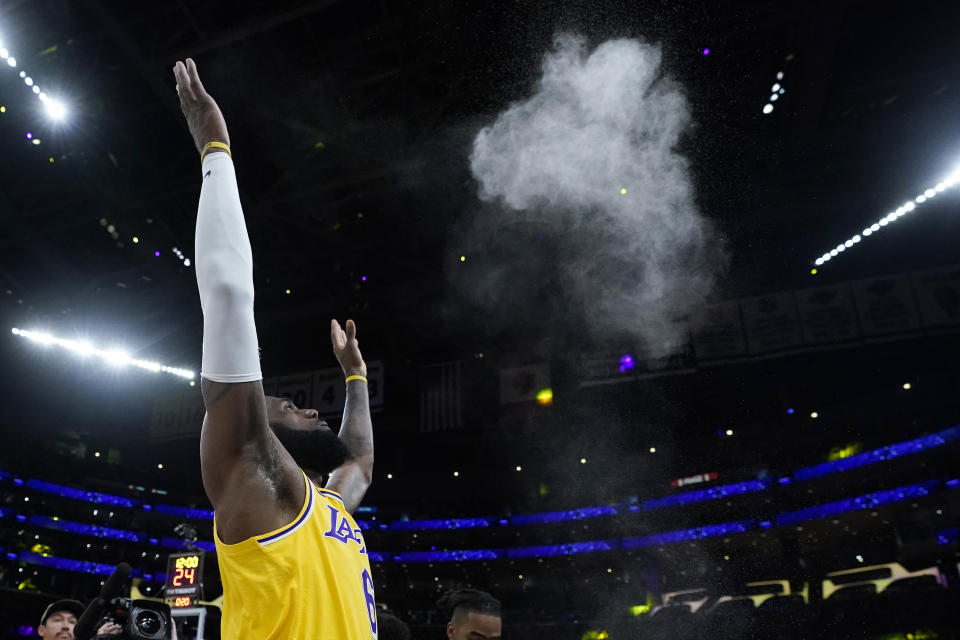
(292, 559)
(474, 615)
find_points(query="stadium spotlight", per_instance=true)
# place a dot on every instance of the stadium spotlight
(891, 217)
(56, 109)
(115, 357)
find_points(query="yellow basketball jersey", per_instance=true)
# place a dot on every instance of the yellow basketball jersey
(309, 580)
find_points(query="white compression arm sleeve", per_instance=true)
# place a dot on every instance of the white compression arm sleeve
(224, 264)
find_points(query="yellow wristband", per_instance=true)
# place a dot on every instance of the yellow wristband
(214, 145)
(349, 378)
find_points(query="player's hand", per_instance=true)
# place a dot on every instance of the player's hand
(109, 629)
(203, 115)
(347, 349)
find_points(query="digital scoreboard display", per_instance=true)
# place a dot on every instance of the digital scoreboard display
(184, 579)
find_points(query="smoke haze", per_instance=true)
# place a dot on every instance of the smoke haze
(590, 158)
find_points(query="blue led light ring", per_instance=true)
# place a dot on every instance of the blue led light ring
(713, 493)
(431, 525)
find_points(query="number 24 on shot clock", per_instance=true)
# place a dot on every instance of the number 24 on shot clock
(184, 578)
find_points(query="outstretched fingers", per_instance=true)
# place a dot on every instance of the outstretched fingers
(337, 336)
(184, 87)
(194, 76)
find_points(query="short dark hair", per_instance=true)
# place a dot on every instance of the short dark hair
(390, 627)
(462, 601)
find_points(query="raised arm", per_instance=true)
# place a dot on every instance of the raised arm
(244, 469)
(352, 479)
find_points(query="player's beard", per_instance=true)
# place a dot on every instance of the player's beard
(318, 450)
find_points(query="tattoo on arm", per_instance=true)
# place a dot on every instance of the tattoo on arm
(357, 429)
(353, 478)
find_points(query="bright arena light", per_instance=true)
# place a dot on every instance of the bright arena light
(56, 109)
(115, 357)
(776, 91)
(891, 217)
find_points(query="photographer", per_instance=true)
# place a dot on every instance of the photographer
(60, 618)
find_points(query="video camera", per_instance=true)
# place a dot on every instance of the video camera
(138, 619)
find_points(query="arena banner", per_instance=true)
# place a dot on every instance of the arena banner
(297, 387)
(827, 314)
(180, 415)
(717, 332)
(607, 366)
(177, 415)
(521, 384)
(638, 362)
(886, 305)
(771, 323)
(889, 307)
(329, 393)
(938, 296)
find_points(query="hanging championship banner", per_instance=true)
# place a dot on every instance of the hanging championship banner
(718, 332)
(827, 314)
(938, 295)
(329, 394)
(886, 305)
(771, 322)
(177, 415)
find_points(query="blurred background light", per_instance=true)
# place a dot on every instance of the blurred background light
(115, 357)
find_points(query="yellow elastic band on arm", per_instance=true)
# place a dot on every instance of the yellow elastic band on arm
(349, 378)
(214, 145)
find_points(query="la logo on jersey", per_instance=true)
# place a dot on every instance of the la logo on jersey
(341, 531)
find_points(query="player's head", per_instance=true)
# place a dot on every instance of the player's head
(59, 619)
(390, 627)
(474, 615)
(308, 439)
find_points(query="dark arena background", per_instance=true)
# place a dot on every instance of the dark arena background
(660, 302)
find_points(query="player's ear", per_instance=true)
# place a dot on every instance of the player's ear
(450, 630)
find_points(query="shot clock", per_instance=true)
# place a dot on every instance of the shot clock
(184, 585)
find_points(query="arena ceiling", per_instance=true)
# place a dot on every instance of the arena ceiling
(351, 124)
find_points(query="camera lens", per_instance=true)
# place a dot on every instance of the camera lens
(148, 622)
